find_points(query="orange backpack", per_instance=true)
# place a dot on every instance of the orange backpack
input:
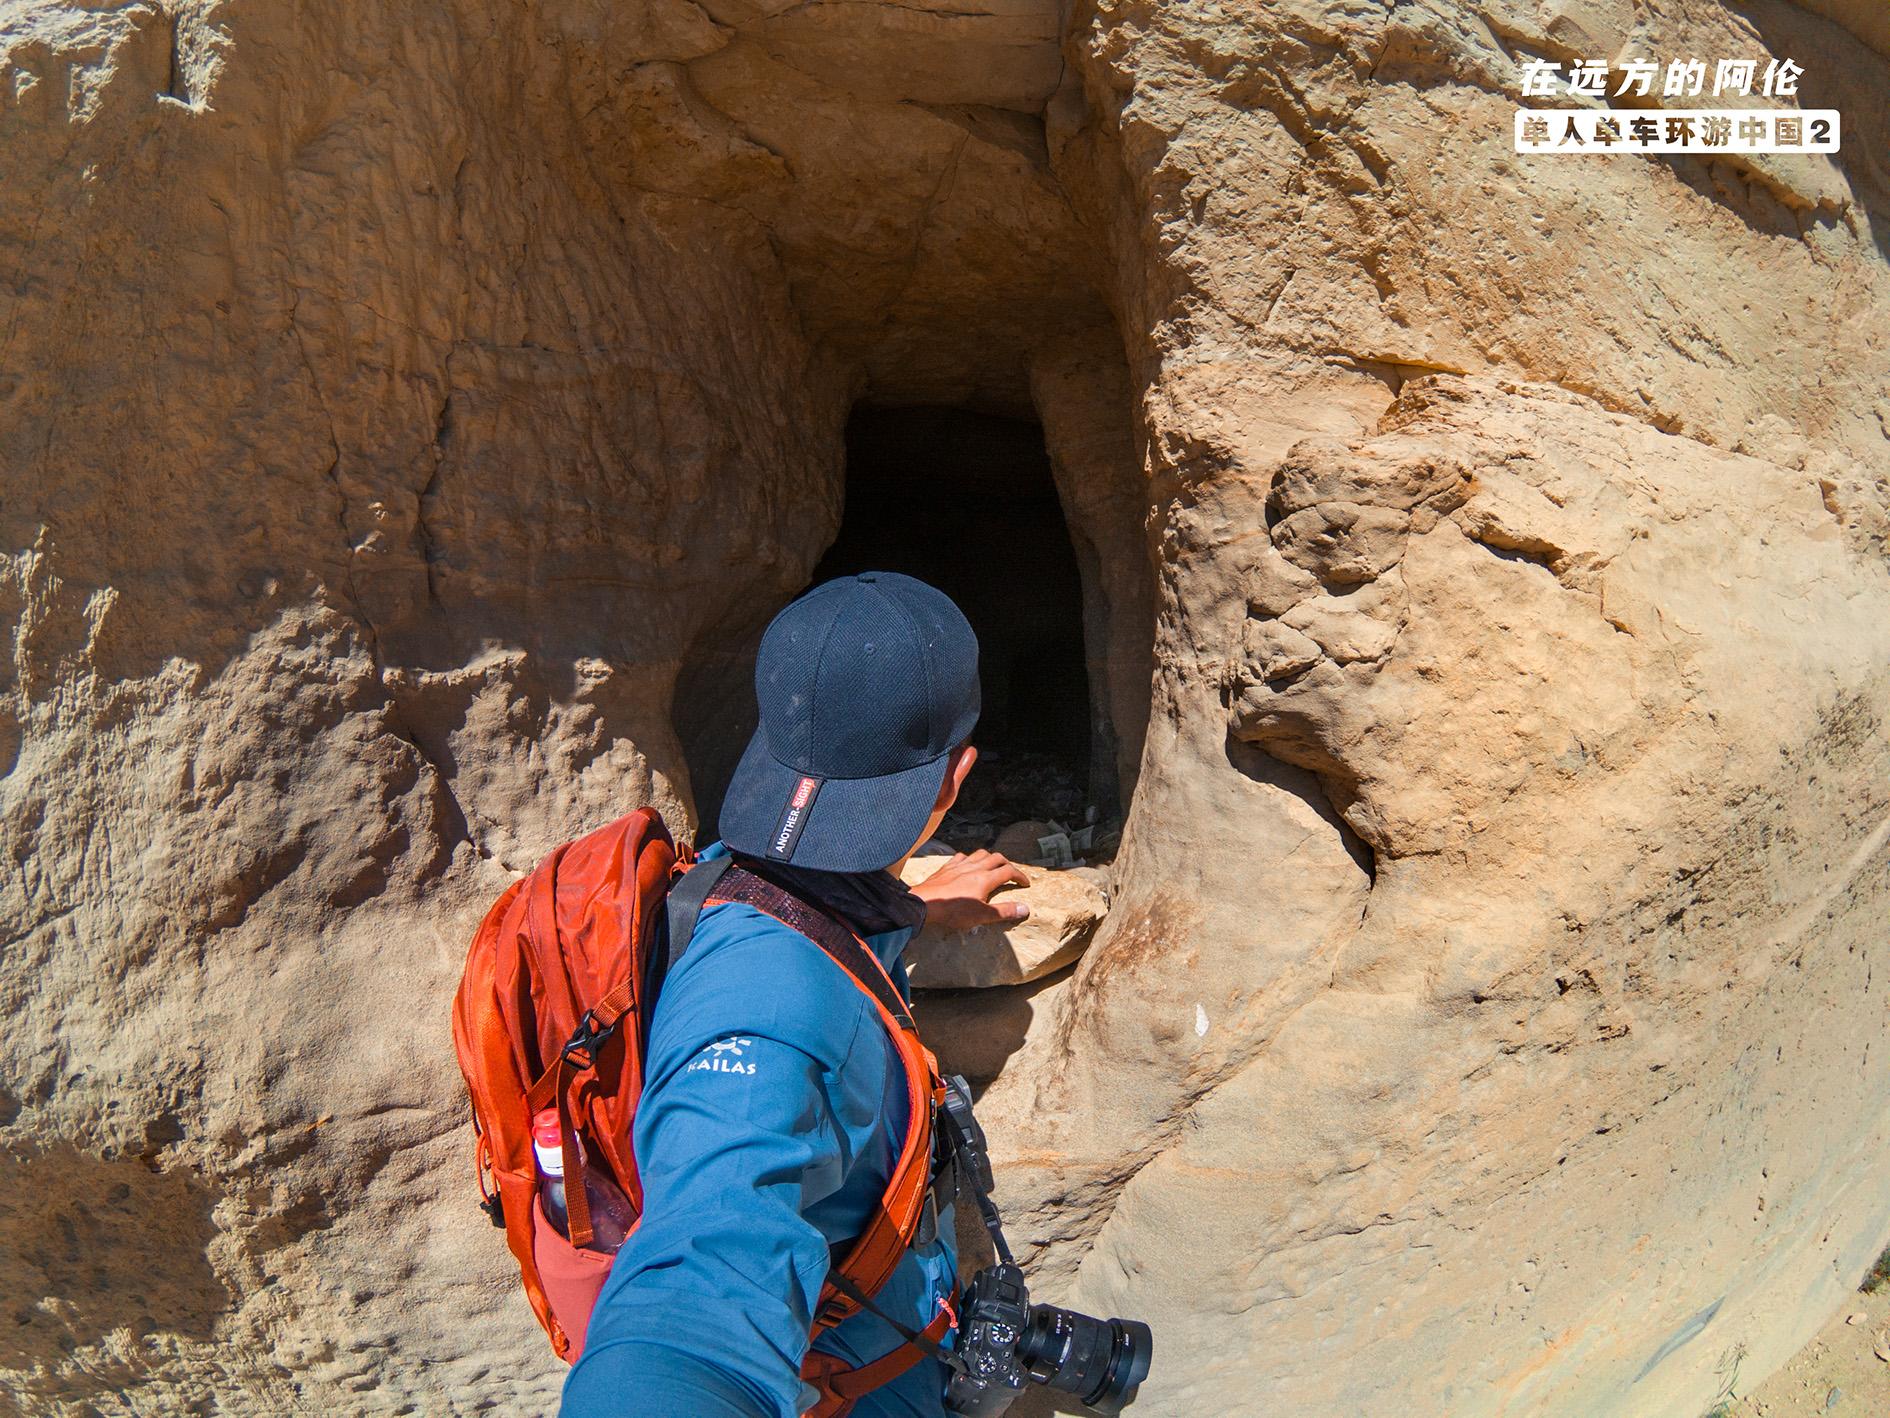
(553, 1011)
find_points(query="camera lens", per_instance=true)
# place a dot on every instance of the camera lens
(1102, 1362)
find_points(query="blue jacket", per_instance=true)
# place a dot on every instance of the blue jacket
(771, 1116)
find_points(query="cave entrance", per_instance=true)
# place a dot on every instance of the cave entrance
(967, 502)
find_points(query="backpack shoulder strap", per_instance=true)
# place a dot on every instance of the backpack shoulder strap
(871, 1259)
(686, 899)
(847, 950)
(684, 903)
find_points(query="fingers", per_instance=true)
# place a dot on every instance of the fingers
(999, 872)
(968, 913)
(972, 878)
(971, 864)
(988, 870)
(1007, 912)
(984, 859)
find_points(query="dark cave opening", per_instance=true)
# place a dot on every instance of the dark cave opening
(967, 501)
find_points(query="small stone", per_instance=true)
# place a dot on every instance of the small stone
(1019, 840)
(1854, 1317)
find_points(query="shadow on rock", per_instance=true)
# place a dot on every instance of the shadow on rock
(90, 1245)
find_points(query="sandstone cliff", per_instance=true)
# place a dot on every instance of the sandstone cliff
(407, 412)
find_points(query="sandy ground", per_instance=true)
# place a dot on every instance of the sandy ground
(1838, 1374)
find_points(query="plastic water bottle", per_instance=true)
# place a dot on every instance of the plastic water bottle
(611, 1216)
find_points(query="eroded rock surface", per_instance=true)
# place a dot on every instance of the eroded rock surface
(408, 414)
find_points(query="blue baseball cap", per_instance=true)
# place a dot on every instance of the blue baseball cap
(866, 684)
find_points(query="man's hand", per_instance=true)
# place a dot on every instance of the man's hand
(958, 895)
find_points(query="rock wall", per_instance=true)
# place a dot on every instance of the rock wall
(399, 408)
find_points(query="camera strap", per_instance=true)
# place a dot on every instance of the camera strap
(965, 1142)
(966, 1139)
(924, 1343)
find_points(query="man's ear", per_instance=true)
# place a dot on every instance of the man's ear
(955, 773)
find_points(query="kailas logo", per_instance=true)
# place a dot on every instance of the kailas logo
(793, 818)
(724, 1056)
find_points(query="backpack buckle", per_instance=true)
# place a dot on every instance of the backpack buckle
(587, 1041)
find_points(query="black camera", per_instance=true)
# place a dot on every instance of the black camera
(1004, 1341)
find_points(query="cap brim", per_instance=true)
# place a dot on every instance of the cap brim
(853, 824)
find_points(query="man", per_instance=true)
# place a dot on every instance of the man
(773, 1101)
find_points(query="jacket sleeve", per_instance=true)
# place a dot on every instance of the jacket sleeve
(708, 1305)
